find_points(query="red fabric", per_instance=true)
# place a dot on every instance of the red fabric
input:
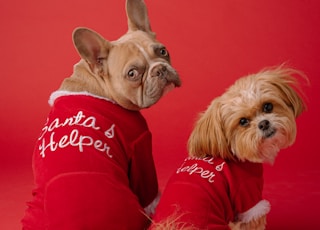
(208, 193)
(93, 167)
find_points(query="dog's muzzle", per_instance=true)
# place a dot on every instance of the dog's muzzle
(266, 128)
(160, 71)
(165, 72)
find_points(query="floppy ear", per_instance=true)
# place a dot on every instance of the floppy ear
(285, 81)
(91, 46)
(138, 16)
(207, 137)
(296, 102)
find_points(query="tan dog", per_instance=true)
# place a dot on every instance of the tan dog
(133, 71)
(219, 186)
(93, 162)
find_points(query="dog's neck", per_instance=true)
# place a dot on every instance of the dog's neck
(83, 80)
(61, 93)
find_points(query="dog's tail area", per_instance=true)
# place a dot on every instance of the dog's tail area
(172, 223)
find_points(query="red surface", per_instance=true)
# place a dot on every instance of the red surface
(212, 43)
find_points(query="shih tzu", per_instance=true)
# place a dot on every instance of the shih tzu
(219, 186)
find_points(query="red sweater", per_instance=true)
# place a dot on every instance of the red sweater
(93, 167)
(209, 193)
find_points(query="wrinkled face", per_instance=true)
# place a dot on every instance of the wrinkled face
(258, 120)
(139, 71)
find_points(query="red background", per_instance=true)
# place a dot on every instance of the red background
(212, 43)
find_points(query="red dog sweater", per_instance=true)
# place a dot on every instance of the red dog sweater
(93, 167)
(208, 193)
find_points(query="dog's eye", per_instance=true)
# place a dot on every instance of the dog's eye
(244, 122)
(163, 52)
(133, 73)
(267, 107)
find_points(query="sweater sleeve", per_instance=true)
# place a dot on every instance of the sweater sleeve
(254, 213)
(249, 202)
(142, 172)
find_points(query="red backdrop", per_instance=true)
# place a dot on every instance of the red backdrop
(212, 43)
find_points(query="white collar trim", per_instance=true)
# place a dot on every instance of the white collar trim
(61, 93)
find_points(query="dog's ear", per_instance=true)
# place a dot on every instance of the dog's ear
(91, 46)
(296, 102)
(138, 16)
(284, 79)
(290, 88)
(208, 137)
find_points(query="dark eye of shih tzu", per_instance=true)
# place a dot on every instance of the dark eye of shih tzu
(244, 122)
(267, 107)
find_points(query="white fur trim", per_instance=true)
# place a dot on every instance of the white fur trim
(257, 211)
(150, 209)
(61, 93)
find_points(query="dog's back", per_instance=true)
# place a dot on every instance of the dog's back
(93, 162)
(88, 147)
(210, 193)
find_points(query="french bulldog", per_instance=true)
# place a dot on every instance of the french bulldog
(93, 163)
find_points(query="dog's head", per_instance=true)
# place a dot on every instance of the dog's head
(252, 120)
(134, 71)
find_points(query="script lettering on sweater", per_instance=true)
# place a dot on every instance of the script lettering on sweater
(49, 140)
(190, 167)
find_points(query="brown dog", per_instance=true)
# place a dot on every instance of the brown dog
(220, 184)
(93, 163)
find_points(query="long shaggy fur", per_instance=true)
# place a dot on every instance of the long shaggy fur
(217, 132)
(251, 121)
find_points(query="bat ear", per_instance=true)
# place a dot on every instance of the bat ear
(137, 15)
(91, 46)
(207, 137)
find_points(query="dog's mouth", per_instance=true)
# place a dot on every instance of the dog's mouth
(170, 86)
(172, 81)
(269, 133)
(175, 80)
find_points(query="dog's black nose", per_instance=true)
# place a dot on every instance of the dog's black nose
(264, 125)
